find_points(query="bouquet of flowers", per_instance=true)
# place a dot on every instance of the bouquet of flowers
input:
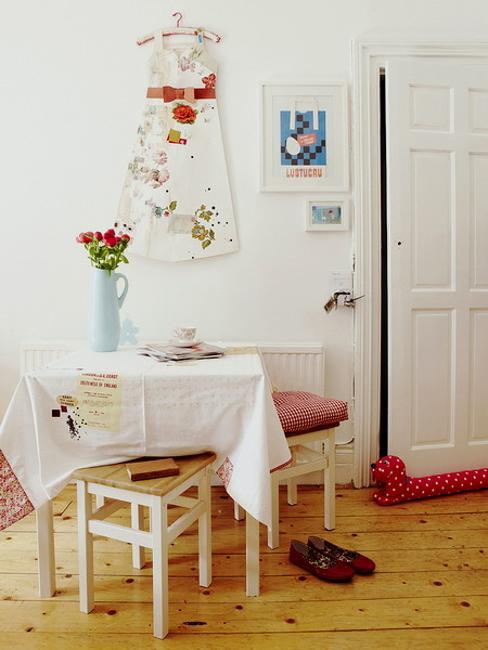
(105, 251)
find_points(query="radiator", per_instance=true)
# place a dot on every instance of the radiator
(290, 366)
(37, 354)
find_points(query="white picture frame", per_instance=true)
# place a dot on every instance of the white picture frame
(305, 138)
(331, 214)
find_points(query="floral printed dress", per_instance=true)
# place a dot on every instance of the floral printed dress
(176, 201)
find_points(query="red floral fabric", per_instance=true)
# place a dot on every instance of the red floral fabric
(301, 411)
(224, 472)
(14, 502)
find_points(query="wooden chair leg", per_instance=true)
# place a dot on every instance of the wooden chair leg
(159, 527)
(45, 550)
(85, 548)
(329, 485)
(239, 513)
(291, 484)
(137, 523)
(274, 529)
(205, 531)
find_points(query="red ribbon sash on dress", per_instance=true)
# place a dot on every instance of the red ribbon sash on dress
(170, 94)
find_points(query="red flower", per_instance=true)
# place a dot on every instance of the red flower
(184, 114)
(209, 81)
(125, 238)
(110, 241)
(98, 235)
(109, 233)
(84, 237)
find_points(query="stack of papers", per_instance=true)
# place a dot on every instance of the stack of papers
(175, 353)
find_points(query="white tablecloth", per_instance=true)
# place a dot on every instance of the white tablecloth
(98, 408)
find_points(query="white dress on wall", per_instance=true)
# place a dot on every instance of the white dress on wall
(176, 201)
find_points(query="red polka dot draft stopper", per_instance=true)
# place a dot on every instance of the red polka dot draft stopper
(395, 486)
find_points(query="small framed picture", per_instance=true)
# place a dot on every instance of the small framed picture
(305, 138)
(332, 214)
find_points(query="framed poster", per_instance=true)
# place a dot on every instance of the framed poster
(305, 138)
(332, 214)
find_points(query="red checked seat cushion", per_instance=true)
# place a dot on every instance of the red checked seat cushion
(300, 411)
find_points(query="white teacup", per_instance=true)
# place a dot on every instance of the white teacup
(186, 334)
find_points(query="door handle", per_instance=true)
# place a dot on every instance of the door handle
(349, 301)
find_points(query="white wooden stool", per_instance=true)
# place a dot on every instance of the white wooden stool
(305, 461)
(113, 484)
(305, 418)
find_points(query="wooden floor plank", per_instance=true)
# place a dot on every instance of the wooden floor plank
(250, 616)
(462, 638)
(232, 540)
(286, 588)
(391, 561)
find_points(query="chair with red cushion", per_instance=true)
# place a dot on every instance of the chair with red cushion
(306, 417)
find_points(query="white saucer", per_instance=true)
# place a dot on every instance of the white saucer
(185, 344)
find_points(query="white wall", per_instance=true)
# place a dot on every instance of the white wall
(72, 84)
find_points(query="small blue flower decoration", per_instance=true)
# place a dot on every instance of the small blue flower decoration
(128, 332)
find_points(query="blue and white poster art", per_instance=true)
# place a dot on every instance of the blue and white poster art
(305, 138)
(303, 143)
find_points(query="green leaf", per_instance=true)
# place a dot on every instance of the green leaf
(172, 206)
(206, 243)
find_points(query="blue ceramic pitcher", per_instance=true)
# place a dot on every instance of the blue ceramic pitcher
(104, 320)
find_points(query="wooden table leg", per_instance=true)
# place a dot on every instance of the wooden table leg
(252, 556)
(45, 546)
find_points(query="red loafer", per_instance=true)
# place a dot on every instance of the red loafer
(323, 567)
(360, 563)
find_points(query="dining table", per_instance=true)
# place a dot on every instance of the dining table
(96, 408)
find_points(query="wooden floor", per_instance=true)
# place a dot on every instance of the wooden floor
(430, 589)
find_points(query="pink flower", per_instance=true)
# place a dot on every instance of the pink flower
(158, 177)
(186, 64)
(163, 158)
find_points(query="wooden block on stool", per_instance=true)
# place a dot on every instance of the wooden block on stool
(157, 468)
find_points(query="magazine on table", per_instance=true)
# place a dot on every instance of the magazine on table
(176, 353)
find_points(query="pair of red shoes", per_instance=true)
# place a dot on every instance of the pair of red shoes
(328, 561)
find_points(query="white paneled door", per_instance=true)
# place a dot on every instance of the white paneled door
(437, 125)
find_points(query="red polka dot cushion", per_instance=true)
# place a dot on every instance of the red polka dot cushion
(300, 411)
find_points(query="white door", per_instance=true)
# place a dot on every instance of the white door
(437, 126)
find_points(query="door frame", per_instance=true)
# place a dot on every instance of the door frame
(368, 56)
